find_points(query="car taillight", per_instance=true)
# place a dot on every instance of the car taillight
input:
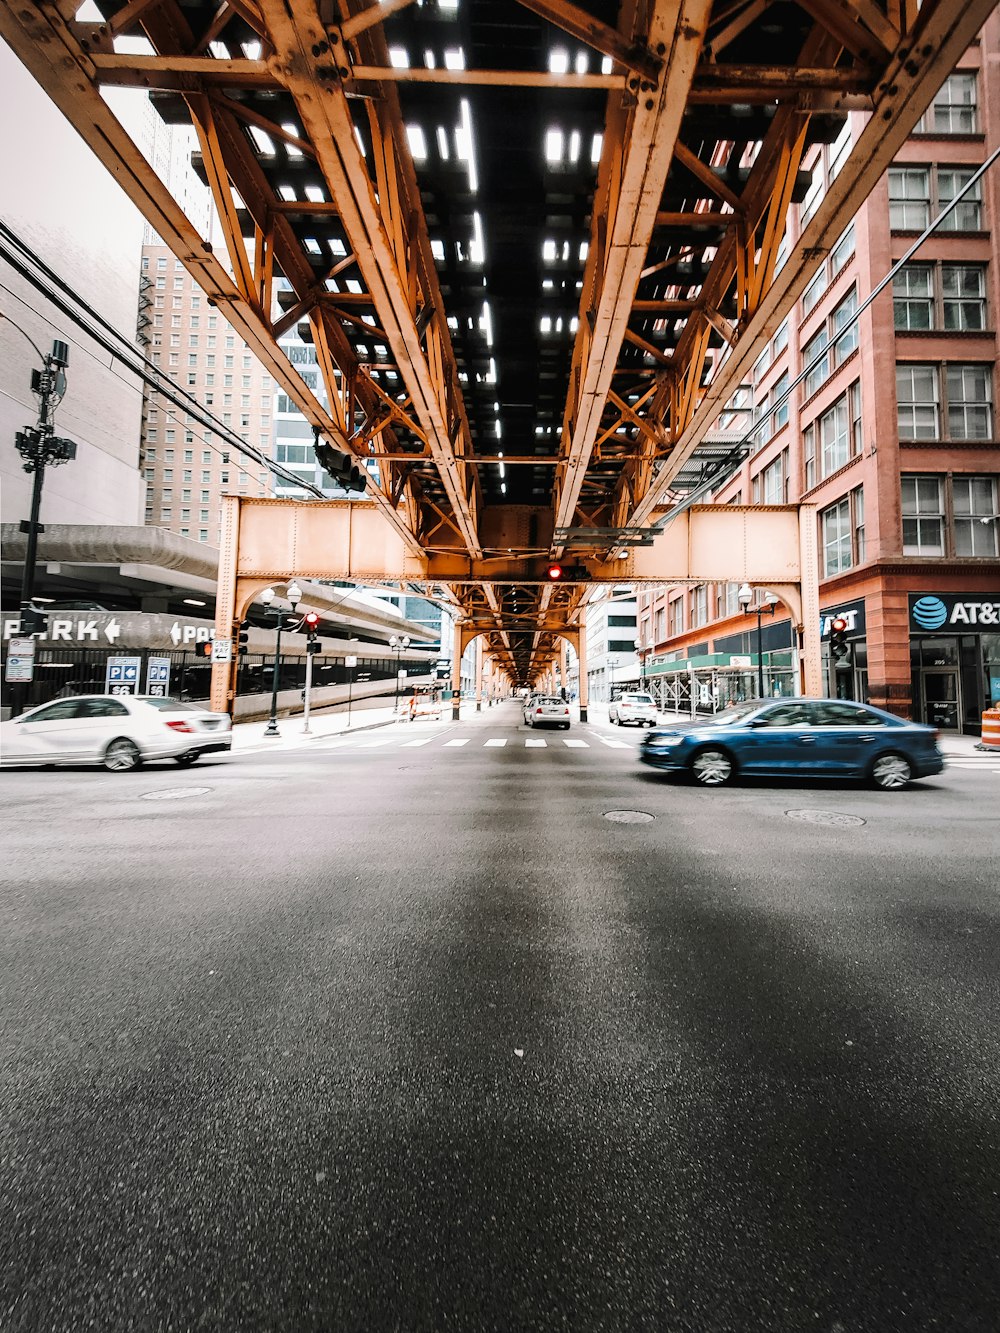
(565, 710)
(179, 726)
(538, 710)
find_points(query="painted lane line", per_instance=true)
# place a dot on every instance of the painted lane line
(424, 740)
(577, 745)
(375, 742)
(463, 742)
(613, 744)
(498, 742)
(535, 745)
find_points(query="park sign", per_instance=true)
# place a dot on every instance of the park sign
(20, 661)
(953, 612)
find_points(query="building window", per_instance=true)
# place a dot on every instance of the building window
(953, 110)
(835, 525)
(909, 198)
(917, 402)
(699, 605)
(816, 356)
(206, 455)
(842, 252)
(835, 438)
(659, 624)
(779, 417)
(841, 317)
(913, 297)
(775, 490)
(206, 477)
(858, 506)
(780, 341)
(963, 296)
(203, 515)
(975, 500)
(814, 291)
(203, 534)
(188, 455)
(839, 151)
(970, 409)
(676, 616)
(923, 516)
(966, 216)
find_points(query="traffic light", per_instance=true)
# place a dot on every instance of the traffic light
(557, 573)
(341, 467)
(242, 641)
(839, 646)
(311, 622)
(554, 573)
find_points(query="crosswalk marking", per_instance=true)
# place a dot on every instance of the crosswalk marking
(465, 741)
(614, 745)
(535, 745)
(375, 741)
(424, 740)
(577, 745)
(495, 743)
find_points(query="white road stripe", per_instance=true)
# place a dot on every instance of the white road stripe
(614, 745)
(497, 742)
(462, 742)
(424, 740)
(577, 745)
(535, 745)
(376, 741)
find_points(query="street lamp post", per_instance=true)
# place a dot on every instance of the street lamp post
(612, 667)
(294, 594)
(764, 607)
(642, 649)
(398, 646)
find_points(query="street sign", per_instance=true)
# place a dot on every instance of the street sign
(222, 650)
(158, 676)
(20, 660)
(122, 675)
(350, 661)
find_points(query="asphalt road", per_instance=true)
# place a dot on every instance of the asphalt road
(384, 1036)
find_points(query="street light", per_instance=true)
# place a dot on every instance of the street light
(398, 646)
(764, 607)
(294, 594)
(612, 668)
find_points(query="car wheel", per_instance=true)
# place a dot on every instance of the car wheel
(121, 755)
(891, 772)
(186, 760)
(712, 768)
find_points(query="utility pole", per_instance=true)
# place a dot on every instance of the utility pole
(39, 446)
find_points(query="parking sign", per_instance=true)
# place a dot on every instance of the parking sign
(158, 676)
(122, 675)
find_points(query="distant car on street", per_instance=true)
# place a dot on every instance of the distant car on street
(546, 710)
(801, 738)
(118, 731)
(633, 709)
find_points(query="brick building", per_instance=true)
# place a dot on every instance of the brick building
(893, 436)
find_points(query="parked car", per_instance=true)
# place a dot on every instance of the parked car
(118, 731)
(633, 709)
(546, 710)
(814, 738)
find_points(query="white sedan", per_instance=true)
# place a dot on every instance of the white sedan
(118, 731)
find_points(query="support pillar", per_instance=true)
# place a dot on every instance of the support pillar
(811, 667)
(479, 674)
(458, 648)
(581, 658)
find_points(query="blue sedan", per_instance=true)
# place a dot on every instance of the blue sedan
(803, 738)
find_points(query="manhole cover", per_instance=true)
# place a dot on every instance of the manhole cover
(826, 817)
(175, 793)
(628, 816)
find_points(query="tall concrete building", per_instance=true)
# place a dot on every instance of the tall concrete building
(892, 436)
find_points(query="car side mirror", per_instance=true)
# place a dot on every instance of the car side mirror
(756, 722)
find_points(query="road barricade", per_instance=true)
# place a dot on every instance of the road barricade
(991, 729)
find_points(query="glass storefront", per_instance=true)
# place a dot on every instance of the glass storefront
(954, 679)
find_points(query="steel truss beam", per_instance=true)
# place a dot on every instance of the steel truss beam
(275, 541)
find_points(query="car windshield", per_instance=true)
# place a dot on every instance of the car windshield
(735, 714)
(169, 705)
(637, 699)
(547, 699)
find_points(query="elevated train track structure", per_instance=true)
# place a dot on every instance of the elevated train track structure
(535, 245)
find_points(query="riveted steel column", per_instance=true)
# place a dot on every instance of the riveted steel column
(458, 647)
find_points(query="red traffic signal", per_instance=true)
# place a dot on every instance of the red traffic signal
(311, 622)
(554, 573)
(838, 625)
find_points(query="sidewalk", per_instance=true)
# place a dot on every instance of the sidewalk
(326, 722)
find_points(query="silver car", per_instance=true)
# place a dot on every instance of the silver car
(118, 731)
(546, 710)
(634, 708)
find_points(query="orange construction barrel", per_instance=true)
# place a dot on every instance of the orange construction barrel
(991, 729)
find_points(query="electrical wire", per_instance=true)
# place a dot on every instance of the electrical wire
(21, 258)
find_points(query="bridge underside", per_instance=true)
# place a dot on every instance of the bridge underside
(267, 542)
(535, 243)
